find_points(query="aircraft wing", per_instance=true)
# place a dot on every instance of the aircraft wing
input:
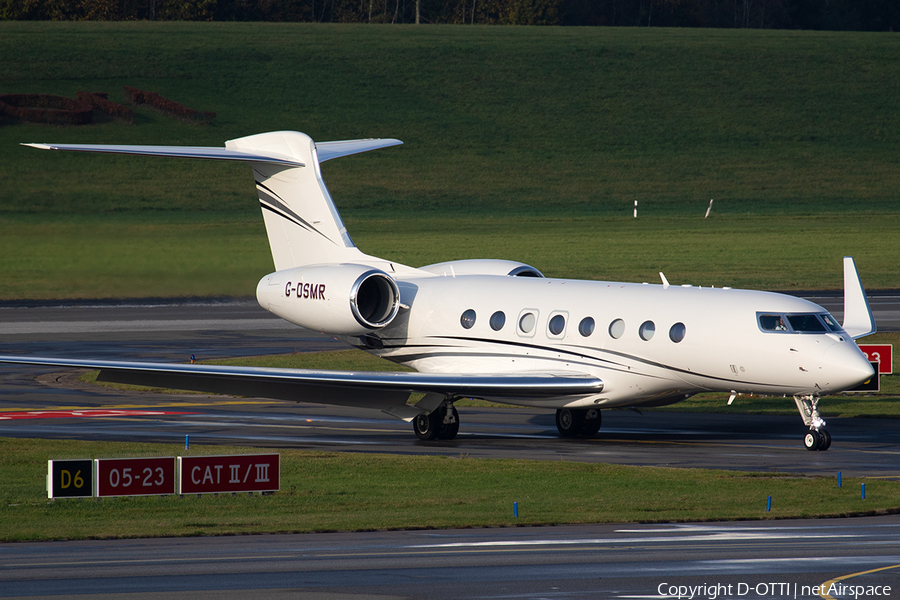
(387, 391)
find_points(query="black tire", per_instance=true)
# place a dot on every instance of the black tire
(569, 422)
(826, 440)
(447, 431)
(425, 426)
(590, 426)
(812, 440)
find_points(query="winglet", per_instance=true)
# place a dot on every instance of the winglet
(858, 319)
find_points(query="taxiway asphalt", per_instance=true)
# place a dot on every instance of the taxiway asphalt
(706, 561)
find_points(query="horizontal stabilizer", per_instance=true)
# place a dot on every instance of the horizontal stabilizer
(176, 152)
(325, 150)
(329, 150)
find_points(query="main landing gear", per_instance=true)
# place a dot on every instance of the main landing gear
(817, 438)
(574, 422)
(440, 424)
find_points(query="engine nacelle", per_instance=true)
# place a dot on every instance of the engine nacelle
(341, 299)
(483, 266)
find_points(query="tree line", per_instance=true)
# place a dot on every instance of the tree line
(850, 15)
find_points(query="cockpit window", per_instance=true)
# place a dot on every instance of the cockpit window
(798, 323)
(772, 323)
(831, 324)
(806, 324)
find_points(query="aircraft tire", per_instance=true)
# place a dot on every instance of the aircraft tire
(812, 440)
(590, 427)
(569, 422)
(426, 426)
(448, 431)
(826, 440)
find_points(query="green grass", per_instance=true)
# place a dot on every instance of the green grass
(351, 492)
(524, 143)
(82, 257)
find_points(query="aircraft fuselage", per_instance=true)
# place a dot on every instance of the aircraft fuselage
(650, 344)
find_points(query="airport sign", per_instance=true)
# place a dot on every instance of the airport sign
(70, 478)
(135, 476)
(882, 354)
(224, 474)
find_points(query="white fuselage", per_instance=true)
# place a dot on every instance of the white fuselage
(721, 346)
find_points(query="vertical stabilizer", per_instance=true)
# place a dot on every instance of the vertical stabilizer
(303, 225)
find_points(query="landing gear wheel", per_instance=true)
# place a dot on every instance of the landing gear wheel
(591, 424)
(817, 440)
(812, 440)
(445, 430)
(440, 424)
(568, 422)
(826, 439)
(426, 426)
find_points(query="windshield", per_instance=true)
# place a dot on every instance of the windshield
(798, 323)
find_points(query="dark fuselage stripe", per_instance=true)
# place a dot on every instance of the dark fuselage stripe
(608, 363)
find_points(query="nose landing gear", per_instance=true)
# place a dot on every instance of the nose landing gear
(817, 438)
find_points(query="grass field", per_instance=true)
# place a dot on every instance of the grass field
(349, 492)
(523, 143)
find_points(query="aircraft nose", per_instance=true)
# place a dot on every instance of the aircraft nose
(848, 367)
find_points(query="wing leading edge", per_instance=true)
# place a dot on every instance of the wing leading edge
(387, 391)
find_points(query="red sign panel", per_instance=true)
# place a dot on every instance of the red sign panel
(882, 354)
(135, 476)
(224, 474)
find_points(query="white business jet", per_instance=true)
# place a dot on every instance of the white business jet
(497, 329)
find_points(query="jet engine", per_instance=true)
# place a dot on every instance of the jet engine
(341, 299)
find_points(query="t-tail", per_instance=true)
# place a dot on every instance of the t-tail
(302, 222)
(303, 225)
